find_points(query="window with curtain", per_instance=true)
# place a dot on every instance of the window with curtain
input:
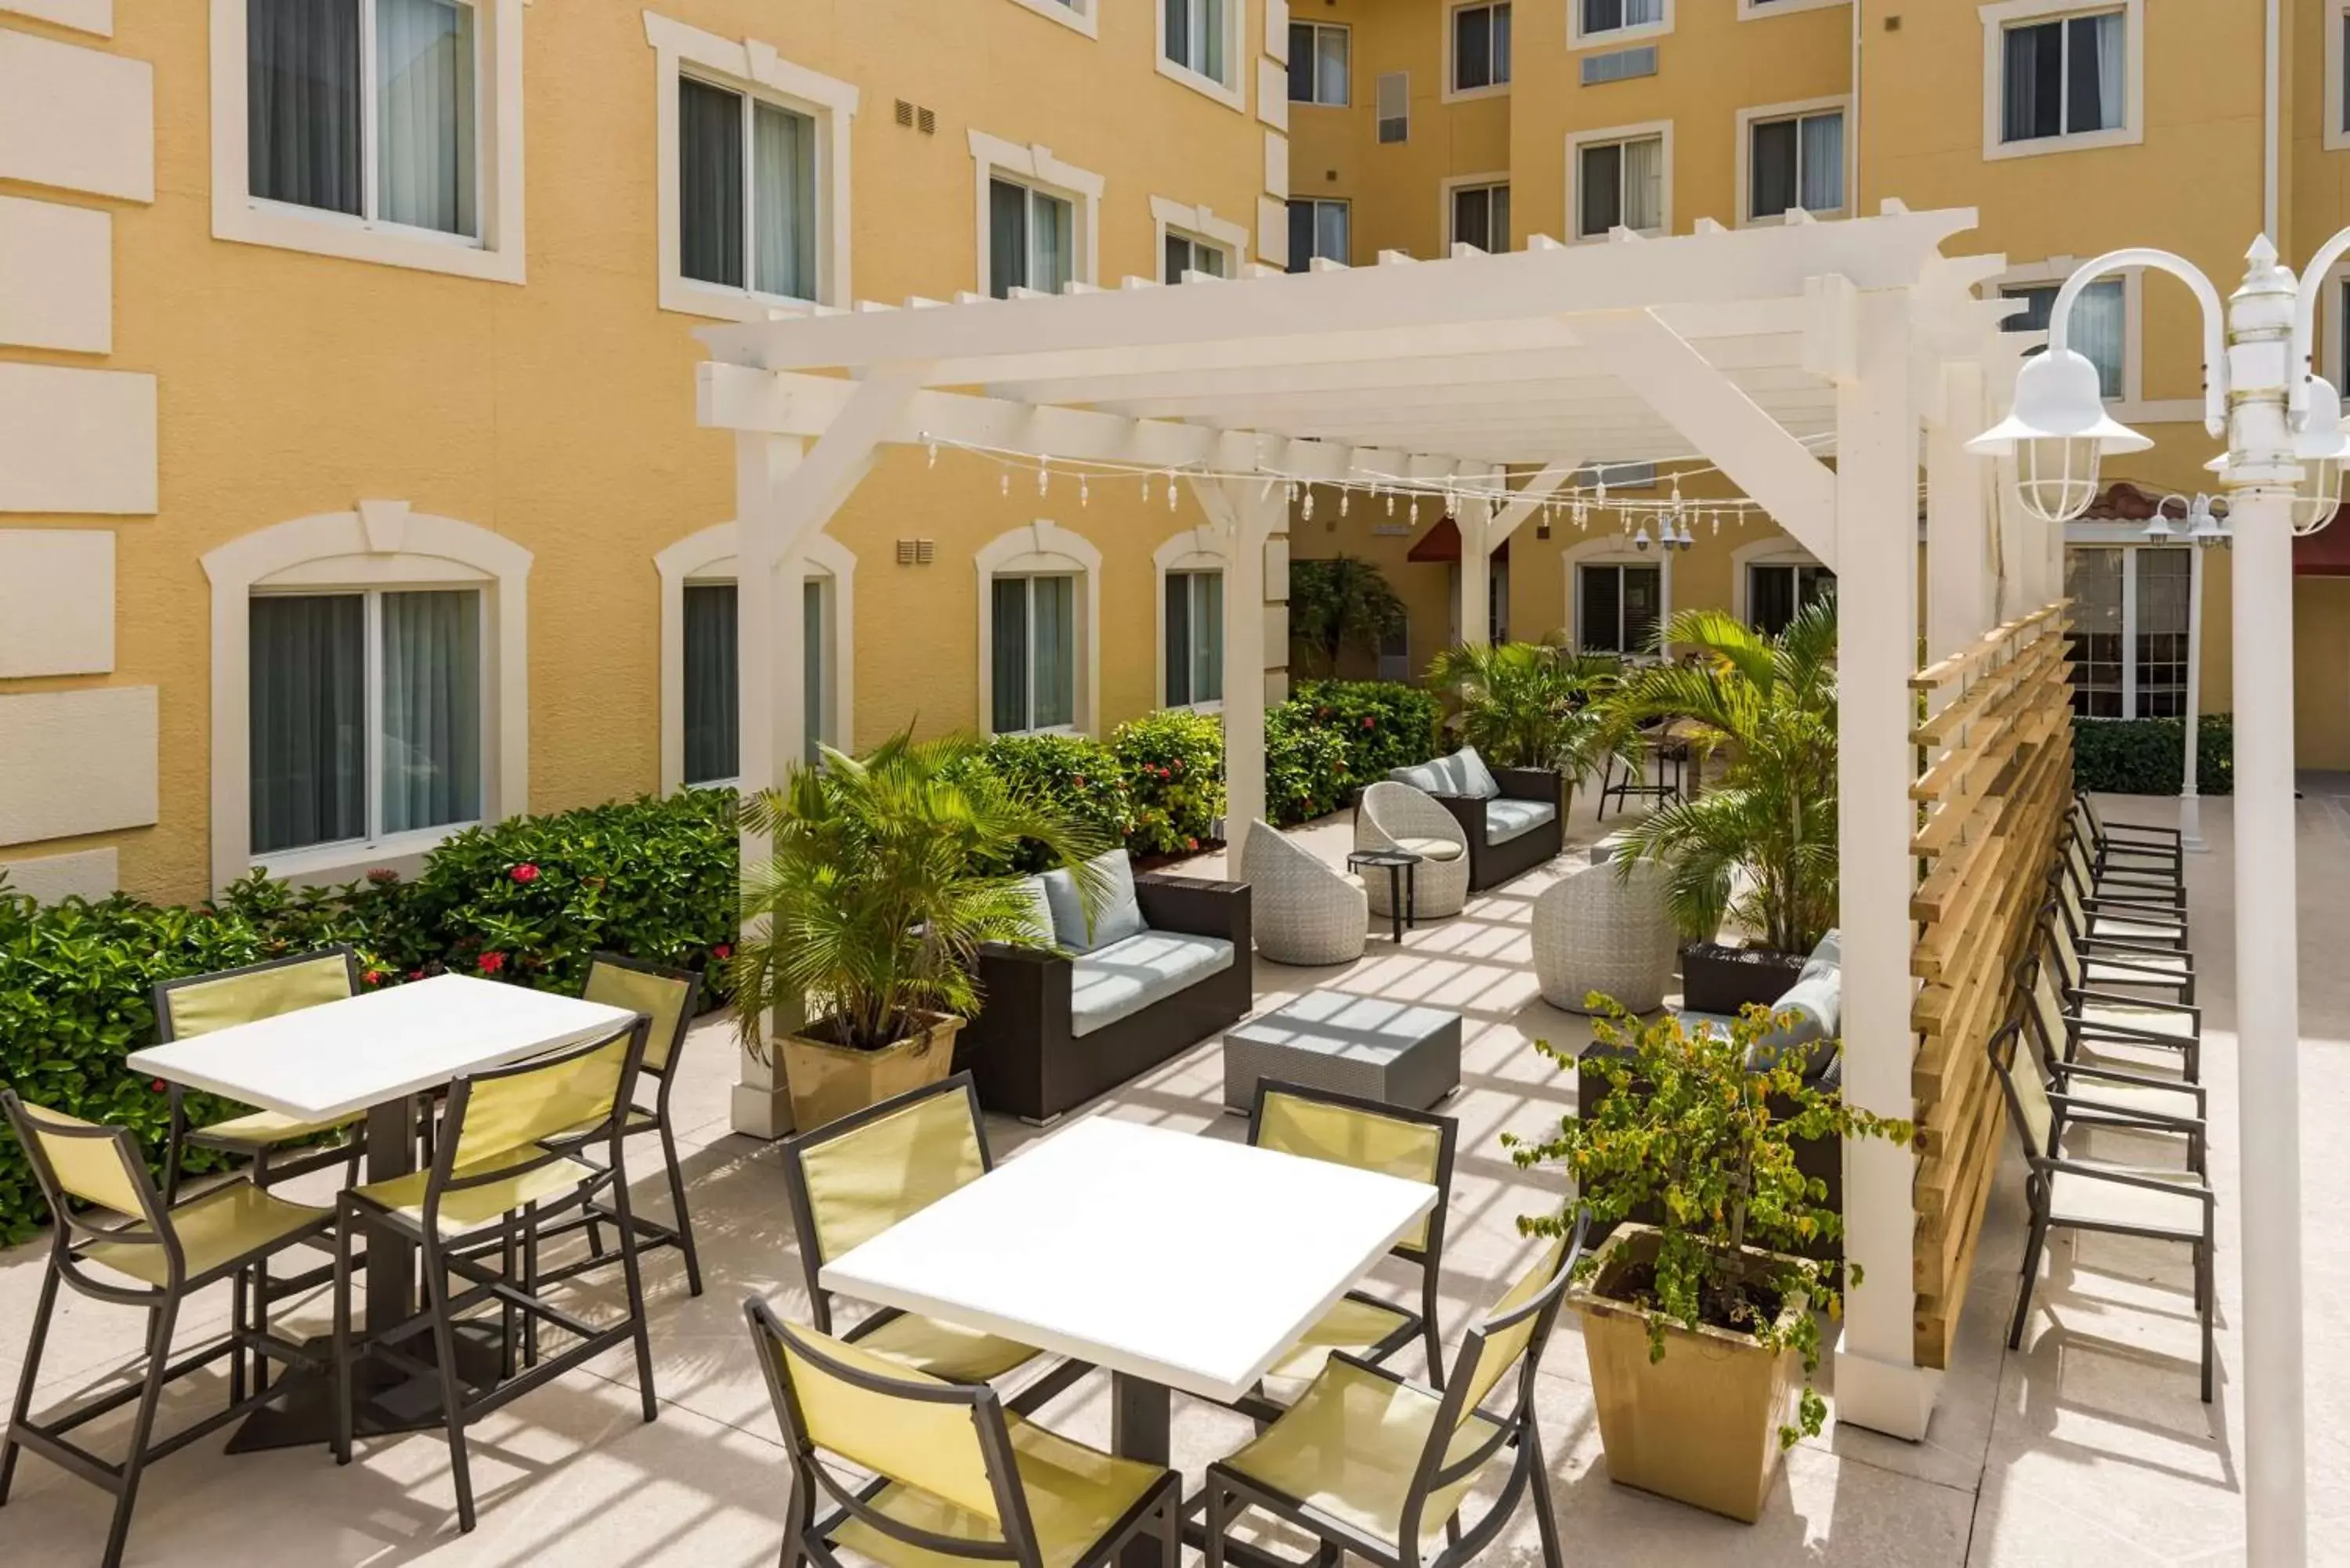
(1614, 15)
(1395, 108)
(1317, 63)
(1195, 638)
(1481, 217)
(1318, 229)
(1497, 599)
(816, 668)
(365, 716)
(747, 191)
(1032, 678)
(1195, 37)
(1619, 184)
(1030, 239)
(1776, 591)
(2097, 329)
(366, 107)
(2063, 77)
(2129, 636)
(711, 696)
(1480, 46)
(1797, 161)
(1618, 606)
(1186, 253)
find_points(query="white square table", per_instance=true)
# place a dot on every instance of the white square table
(375, 1052)
(1173, 1260)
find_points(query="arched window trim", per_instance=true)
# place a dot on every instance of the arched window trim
(1196, 549)
(1042, 546)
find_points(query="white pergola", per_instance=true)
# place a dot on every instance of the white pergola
(1760, 349)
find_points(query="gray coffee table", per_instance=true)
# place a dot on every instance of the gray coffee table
(1362, 1045)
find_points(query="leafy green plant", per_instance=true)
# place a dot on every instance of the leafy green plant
(1384, 725)
(1530, 704)
(1769, 703)
(2146, 756)
(877, 896)
(1305, 766)
(1340, 603)
(1173, 760)
(1700, 1131)
(1074, 774)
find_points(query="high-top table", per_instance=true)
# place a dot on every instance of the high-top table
(376, 1053)
(1174, 1262)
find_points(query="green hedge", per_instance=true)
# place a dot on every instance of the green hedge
(1081, 776)
(1174, 765)
(1384, 725)
(525, 900)
(2147, 756)
(1305, 766)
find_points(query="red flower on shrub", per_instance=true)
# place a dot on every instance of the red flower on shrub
(157, 1085)
(1191, 844)
(1080, 780)
(416, 974)
(1368, 721)
(383, 875)
(373, 977)
(723, 950)
(525, 873)
(490, 964)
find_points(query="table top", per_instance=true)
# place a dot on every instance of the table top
(329, 1061)
(1336, 1022)
(1383, 857)
(1188, 1261)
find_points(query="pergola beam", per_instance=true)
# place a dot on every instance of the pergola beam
(1527, 501)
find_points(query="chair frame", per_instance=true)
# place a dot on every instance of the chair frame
(514, 1285)
(153, 1225)
(2071, 1086)
(2078, 994)
(1654, 750)
(1428, 1258)
(2160, 916)
(2165, 847)
(808, 1537)
(1228, 1494)
(2046, 1163)
(2136, 962)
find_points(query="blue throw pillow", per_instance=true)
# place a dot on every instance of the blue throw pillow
(1117, 917)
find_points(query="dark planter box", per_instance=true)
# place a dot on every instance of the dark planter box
(1718, 979)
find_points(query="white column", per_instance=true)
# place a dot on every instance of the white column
(2190, 804)
(1959, 518)
(1878, 1384)
(1474, 519)
(1248, 515)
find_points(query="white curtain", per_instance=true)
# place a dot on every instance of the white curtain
(307, 691)
(1053, 608)
(1644, 183)
(2103, 37)
(1823, 154)
(1643, 12)
(431, 759)
(424, 114)
(783, 206)
(1330, 67)
(2097, 329)
(1331, 236)
(1208, 624)
(1053, 254)
(816, 675)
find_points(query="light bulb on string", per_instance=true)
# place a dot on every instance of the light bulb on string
(934, 453)
(1343, 495)
(1717, 525)
(1146, 489)
(1003, 484)
(1044, 478)
(1173, 494)
(1415, 511)
(1085, 492)
(1305, 513)
(1390, 503)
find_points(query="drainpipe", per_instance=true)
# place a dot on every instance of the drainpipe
(1853, 140)
(2271, 87)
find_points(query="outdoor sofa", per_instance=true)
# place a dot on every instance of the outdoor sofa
(1510, 816)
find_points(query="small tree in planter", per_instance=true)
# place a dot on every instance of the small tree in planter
(872, 909)
(1694, 1324)
(1530, 704)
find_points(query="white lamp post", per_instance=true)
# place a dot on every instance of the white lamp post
(2203, 530)
(2282, 473)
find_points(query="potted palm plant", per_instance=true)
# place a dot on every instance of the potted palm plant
(1759, 848)
(1702, 1328)
(868, 916)
(1341, 603)
(1529, 704)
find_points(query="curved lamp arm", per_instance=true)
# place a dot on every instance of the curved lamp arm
(2304, 317)
(2215, 318)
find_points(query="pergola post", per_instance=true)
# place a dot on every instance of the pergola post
(1879, 1383)
(1474, 519)
(1959, 518)
(1247, 514)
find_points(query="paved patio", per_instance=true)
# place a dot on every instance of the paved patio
(2088, 1447)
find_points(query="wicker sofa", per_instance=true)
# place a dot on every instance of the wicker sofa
(1056, 1029)
(1510, 816)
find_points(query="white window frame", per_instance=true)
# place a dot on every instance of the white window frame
(1314, 56)
(1451, 186)
(1764, 114)
(992, 158)
(1228, 93)
(753, 69)
(1609, 37)
(2336, 122)
(1782, 551)
(1345, 202)
(1199, 225)
(2333, 308)
(496, 255)
(1044, 548)
(1192, 550)
(1577, 140)
(1077, 15)
(1614, 550)
(1453, 94)
(1757, 10)
(2128, 538)
(1997, 18)
(714, 555)
(383, 544)
(2133, 407)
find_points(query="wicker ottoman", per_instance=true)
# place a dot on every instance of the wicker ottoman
(1361, 1045)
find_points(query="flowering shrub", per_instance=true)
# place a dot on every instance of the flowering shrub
(1080, 777)
(1174, 765)
(1384, 724)
(1305, 766)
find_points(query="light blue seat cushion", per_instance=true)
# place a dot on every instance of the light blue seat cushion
(1813, 1006)
(1508, 819)
(1477, 779)
(1121, 979)
(1038, 916)
(1463, 773)
(1118, 917)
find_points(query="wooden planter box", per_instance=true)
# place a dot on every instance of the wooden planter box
(829, 1081)
(1724, 979)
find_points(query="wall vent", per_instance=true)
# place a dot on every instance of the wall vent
(927, 121)
(905, 112)
(1619, 65)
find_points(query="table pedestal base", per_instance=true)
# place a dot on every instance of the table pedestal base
(390, 1397)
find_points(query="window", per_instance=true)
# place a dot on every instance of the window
(1194, 37)
(746, 185)
(1030, 239)
(2337, 77)
(1776, 591)
(713, 690)
(2130, 636)
(1035, 676)
(1480, 46)
(365, 715)
(2098, 327)
(1318, 230)
(1795, 162)
(1617, 608)
(1318, 64)
(1594, 17)
(1619, 184)
(1394, 651)
(366, 108)
(1395, 108)
(1078, 15)
(1480, 216)
(1195, 638)
(1188, 254)
(2063, 76)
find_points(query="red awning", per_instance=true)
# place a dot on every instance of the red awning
(1442, 543)
(2326, 552)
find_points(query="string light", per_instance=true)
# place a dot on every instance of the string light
(934, 453)
(1305, 513)
(1085, 496)
(1004, 487)
(1044, 480)
(1146, 489)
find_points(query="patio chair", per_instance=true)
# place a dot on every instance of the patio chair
(2108, 963)
(1307, 912)
(853, 1178)
(168, 1253)
(1600, 929)
(2119, 882)
(2115, 920)
(1376, 1465)
(2095, 1195)
(1370, 1135)
(2139, 849)
(2088, 1093)
(506, 1158)
(1393, 815)
(955, 1474)
(1650, 750)
(2110, 1027)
